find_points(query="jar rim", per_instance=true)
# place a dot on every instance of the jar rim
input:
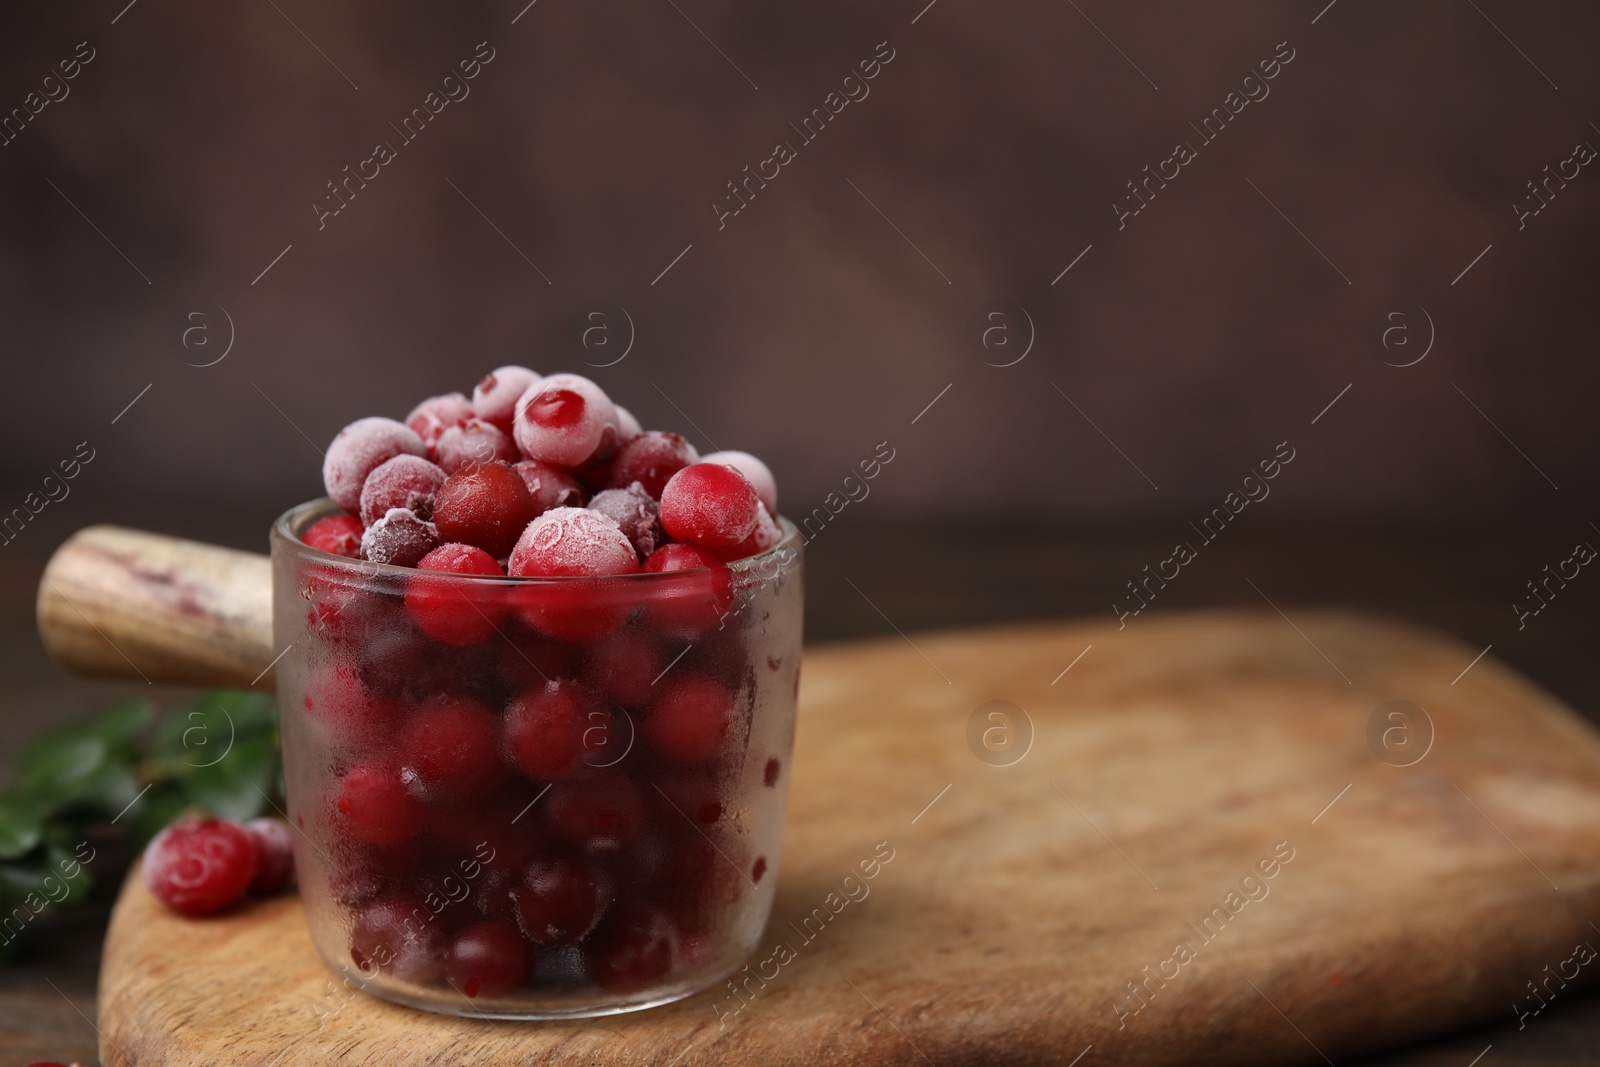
(285, 533)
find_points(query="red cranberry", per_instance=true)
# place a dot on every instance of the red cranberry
(576, 609)
(634, 948)
(634, 512)
(624, 667)
(338, 534)
(402, 482)
(357, 451)
(354, 718)
(401, 538)
(559, 901)
(454, 611)
(453, 744)
(563, 420)
(695, 797)
(650, 459)
(374, 805)
(494, 398)
(488, 959)
(756, 472)
(199, 867)
(474, 441)
(572, 542)
(598, 814)
(398, 935)
(710, 505)
(274, 847)
(693, 604)
(549, 487)
(690, 718)
(485, 505)
(765, 535)
(437, 414)
(545, 728)
(770, 775)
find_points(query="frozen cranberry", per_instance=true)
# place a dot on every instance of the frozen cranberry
(624, 667)
(627, 426)
(453, 744)
(452, 610)
(338, 534)
(274, 847)
(558, 901)
(765, 535)
(549, 487)
(474, 441)
(757, 473)
(710, 505)
(435, 415)
(650, 459)
(494, 398)
(485, 505)
(547, 726)
(581, 610)
(358, 450)
(398, 935)
(695, 797)
(573, 541)
(635, 512)
(634, 948)
(770, 775)
(373, 804)
(690, 718)
(488, 959)
(402, 482)
(599, 814)
(400, 538)
(702, 878)
(563, 420)
(198, 867)
(694, 603)
(353, 717)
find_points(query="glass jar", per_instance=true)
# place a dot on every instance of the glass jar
(535, 798)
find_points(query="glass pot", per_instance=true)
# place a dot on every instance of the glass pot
(535, 798)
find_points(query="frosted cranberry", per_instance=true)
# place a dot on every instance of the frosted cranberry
(474, 441)
(353, 717)
(338, 534)
(398, 935)
(624, 667)
(691, 604)
(494, 398)
(765, 535)
(485, 505)
(559, 901)
(549, 487)
(373, 804)
(690, 718)
(488, 959)
(710, 505)
(357, 451)
(274, 847)
(435, 415)
(759, 869)
(635, 948)
(400, 538)
(651, 459)
(627, 426)
(563, 420)
(770, 775)
(599, 814)
(453, 744)
(573, 541)
(545, 728)
(402, 482)
(451, 610)
(198, 867)
(757, 473)
(635, 512)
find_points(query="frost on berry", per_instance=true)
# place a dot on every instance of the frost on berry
(635, 512)
(436, 414)
(494, 398)
(573, 541)
(563, 420)
(474, 441)
(405, 481)
(358, 449)
(399, 538)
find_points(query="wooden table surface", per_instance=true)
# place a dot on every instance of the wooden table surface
(873, 578)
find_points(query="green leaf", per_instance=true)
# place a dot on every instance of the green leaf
(236, 786)
(201, 734)
(21, 824)
(109, 789)
(59, 760)
(121, 724)
(156, 811)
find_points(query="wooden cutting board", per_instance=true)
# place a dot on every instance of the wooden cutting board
(1174, 758)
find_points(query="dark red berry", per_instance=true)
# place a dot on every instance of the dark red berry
(545, 728)
(373, 805)
(711, 505)
(451, 610)
(453, 744)
(692, 604)
(274, 845)
(635, 948)
(624, 667)
(558, 901)
(398, 935)
(634, 512)
(338, 534)
(485, 505)
(690, 719)
(401, 538)
(198, 867)
(599, 814)
(650, 459)
(488, 959)
(550, 487)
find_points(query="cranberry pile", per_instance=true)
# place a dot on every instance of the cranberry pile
(531, 784)
(200, 866)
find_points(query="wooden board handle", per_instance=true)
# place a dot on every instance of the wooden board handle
(126, 604)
